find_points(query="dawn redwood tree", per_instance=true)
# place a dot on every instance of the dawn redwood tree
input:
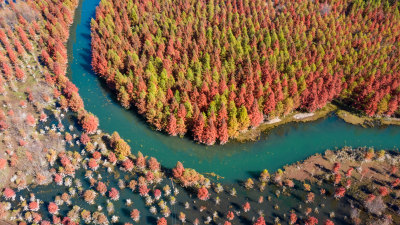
(162, 221)
(7, 73)
(101, 188)
(202, 194)
(127, 164)
(18, 46)
(96, 155)
(113, 194)
(182, 112)
(243, 118)
(210, 134)
(112, 158)
(246, 207)
(75, 102)
(69, 89)
(154, 165)
(3, 125)
(58, 70)
(383, 191)
(171, 128)
(336, 167)
(143, 190)
(311, 221)
(19, 74)
(122, 148)
(88, 121)
(328, 222)
(11, 55)
(260, 221)
(135, 215)
(181, 126)
(198, 128)
(140, 161)
(53, 208)
(256, 117)
(114, 138)
(84, 139)
(92, 163)
(269, 105)
(339, 192)
(45, 57)
(24, 39)
(3, 163)
(349, 172)
(292, 218)
(9, 194)
(178, 170)
(395, 183)
(223, 132)
(30, 120)
(393, 106)
(230, 216)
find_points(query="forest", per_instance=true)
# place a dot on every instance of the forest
(217, 68)
(212, 70)
(49, 37)
(34, 89)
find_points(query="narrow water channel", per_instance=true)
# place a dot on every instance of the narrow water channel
(283, 145)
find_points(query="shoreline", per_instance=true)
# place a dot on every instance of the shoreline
(296, 116)
(365, 121)
(361, 174)
(254, 134)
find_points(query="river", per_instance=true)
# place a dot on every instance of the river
(284, 145)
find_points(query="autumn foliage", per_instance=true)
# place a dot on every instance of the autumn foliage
(162, 221)
(187, 177)
(260, 221)
(89, 122)
(52, 208)
(119, 145)
(215, 68)
(203, 194)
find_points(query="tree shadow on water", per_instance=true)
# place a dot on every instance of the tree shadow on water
(86, 35)
(151, 220)
(126, 212)
(86, 63)
(254, 174)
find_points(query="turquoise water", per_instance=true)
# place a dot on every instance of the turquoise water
(284, 145)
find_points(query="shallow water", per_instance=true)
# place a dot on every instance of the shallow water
(295, 202)
(286, 203)
(284, 145)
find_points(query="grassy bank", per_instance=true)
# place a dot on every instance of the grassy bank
(254, 134)
(346, 115)
(366, 121)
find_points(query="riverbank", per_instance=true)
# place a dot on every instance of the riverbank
(366, 121)
(379, 164)
(365, 178)
(254, 134)
(348, 117)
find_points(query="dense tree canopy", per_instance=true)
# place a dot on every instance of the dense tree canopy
(216, 68)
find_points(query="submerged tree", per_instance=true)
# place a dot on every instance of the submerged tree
(89, 122)
(203, 194)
